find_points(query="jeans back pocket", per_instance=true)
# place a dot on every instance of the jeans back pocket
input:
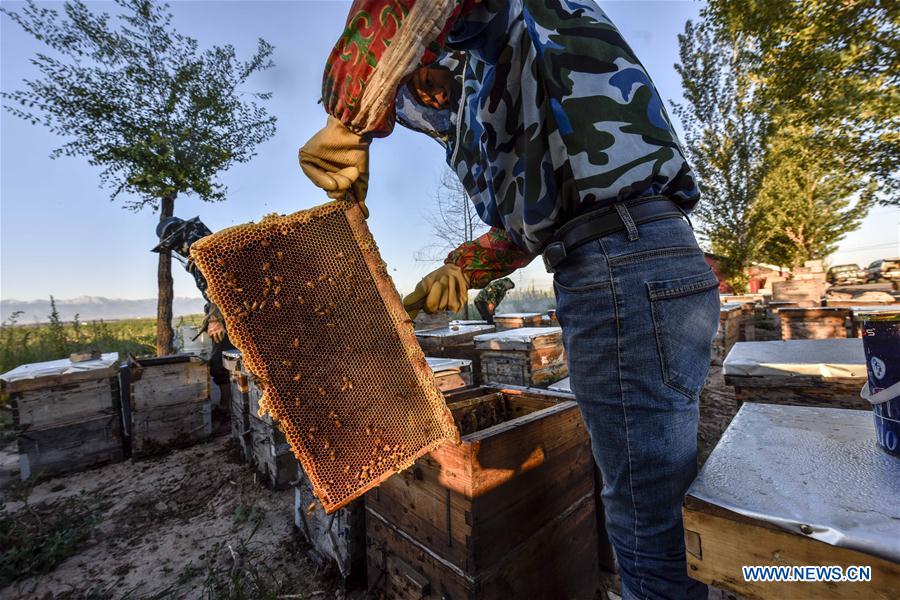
(685, 319)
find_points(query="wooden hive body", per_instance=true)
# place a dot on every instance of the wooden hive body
(67, 416)
(528, 356)
(815, 323)
(168, 403)
(509, 513)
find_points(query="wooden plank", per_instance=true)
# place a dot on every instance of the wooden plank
(715, 558)
(67, 403)
(159, 429)
(70, 448)
(170, 384)
(832, 396)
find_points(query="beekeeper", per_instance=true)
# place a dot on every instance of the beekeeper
(564, 146)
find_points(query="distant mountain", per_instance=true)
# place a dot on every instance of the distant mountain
(93, 308)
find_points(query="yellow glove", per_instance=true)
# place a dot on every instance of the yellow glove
(337, 160)
(446, 288)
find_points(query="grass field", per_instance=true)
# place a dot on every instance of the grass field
(21, 344)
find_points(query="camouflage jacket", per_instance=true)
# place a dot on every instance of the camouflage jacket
(495, 291)
(552, 112)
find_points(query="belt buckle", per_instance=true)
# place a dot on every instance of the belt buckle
(553, 255)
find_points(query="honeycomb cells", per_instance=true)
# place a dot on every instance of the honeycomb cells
(309, 303)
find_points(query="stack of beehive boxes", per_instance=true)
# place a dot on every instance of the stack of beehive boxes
(527, 356)
(240, 403)
(270, 454)
(167, 403)
(806, 287)
(257, 438)
(66, 414)
(731, 320)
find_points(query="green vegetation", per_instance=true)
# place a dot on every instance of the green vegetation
(21, 344)
(36, 538)
(789, 126)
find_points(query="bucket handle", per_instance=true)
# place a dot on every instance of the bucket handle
(883, 396)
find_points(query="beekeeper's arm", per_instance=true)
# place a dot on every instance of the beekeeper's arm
(379, 50)
(473, 265)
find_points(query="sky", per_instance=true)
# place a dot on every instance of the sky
(61, 235)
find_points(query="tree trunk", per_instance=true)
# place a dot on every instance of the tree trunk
(164, 333)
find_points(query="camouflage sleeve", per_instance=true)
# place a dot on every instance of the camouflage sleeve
(490, 257)
(383, 42)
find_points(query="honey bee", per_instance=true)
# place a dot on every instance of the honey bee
(265, 266)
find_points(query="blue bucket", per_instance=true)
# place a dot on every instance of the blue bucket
(881, 342)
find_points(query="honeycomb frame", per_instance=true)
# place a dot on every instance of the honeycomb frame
(309, 302)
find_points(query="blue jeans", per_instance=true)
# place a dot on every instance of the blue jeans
(638, 314)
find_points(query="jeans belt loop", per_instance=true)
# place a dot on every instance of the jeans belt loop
(630, 227)
(554, 254)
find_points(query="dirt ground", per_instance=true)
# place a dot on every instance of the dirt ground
(195, 524)
(190, 524)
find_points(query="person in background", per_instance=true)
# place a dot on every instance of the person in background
(563, 144)
(490, 297)
(177, 235)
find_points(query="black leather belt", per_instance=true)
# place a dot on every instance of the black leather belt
(605, 221)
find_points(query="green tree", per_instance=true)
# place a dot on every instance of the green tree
(144, 103)
(726, 135)
(808, 200)
(834, 68)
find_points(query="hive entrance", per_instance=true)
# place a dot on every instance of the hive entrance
(309, 303)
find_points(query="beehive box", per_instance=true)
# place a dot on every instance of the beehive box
(815, 323)
(806, 293)
(308, 301)
(826, 373)
(789, 486)
(509, 513)
(270, 455)
(450, 373)
(240, 403)
(507, 321)
(528, 356)
(338, 539)
(731, 319)
(457, 340)
(168, 403)
(70, 448)
(66, 414)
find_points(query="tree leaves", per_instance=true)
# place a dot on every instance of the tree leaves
(140, 100)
